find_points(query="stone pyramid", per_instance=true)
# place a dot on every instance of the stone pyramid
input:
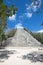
(22, 38)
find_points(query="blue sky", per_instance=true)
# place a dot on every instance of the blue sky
(26, 15)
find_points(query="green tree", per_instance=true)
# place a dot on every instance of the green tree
(5, 12)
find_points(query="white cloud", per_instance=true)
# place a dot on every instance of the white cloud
(13, 17)
(25, 15)
(33, 6)
(29, 15)
(40, 31)
(19, 25)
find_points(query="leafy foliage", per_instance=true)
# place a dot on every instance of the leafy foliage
(5, 12)
(38, 36)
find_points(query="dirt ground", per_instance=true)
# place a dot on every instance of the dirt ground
(21, 56)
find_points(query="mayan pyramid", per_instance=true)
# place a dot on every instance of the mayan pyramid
(22, 38)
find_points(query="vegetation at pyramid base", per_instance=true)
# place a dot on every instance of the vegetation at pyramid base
(38, 36)
(5, 12)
